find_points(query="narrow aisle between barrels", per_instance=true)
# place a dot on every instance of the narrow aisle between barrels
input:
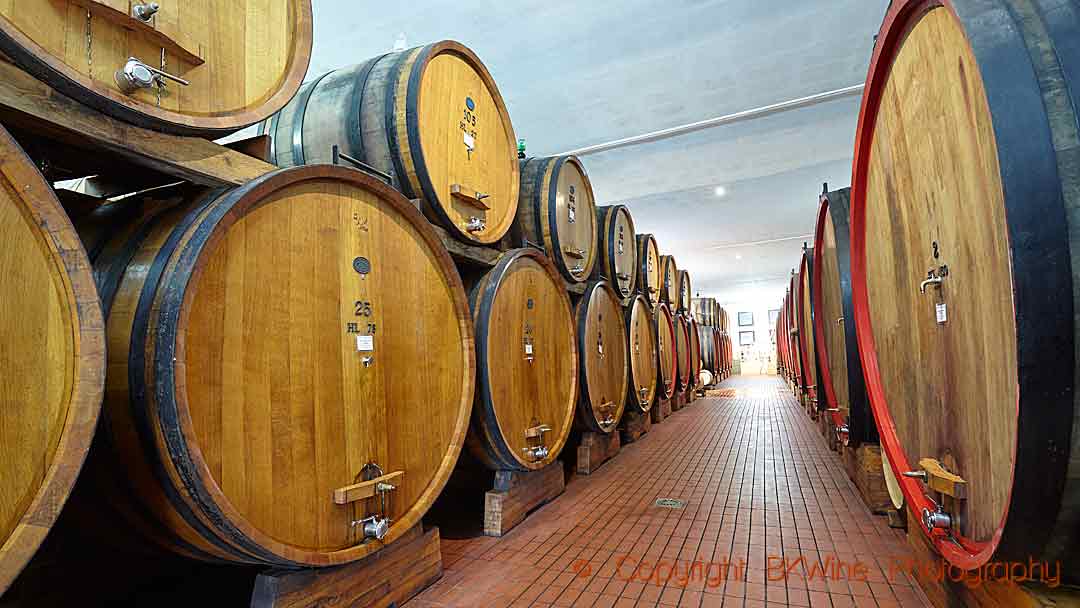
(756, 511)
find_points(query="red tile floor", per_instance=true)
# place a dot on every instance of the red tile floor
(770, 519)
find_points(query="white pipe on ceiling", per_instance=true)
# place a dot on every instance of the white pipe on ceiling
(763, 111)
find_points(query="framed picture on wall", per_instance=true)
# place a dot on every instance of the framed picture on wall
(746, 338)
(773, 316)
(746, 319)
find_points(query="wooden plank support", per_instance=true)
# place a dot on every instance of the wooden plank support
(595, 449)
(863, 466)
(660, 410)
(469, 196)
(33, 106)
(365, 489)
(391, 576)
(517, 493)
(635, 424)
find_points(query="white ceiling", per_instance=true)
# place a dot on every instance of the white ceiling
(576, 74)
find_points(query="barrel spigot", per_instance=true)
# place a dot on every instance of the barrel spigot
(145, 11)
(475, 224)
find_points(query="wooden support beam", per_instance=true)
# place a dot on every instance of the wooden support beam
(30, 105)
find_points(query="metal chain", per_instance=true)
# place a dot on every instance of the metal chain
(89, 47)
(160, 81)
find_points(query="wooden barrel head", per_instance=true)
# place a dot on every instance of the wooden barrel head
(527, 359)
(685, 291)
(830, 343)
(665, 348)
(964, 210)
(602, 346)
(695, 348)
(52, 358)
(242, 60)
(271, 333)
(641, 333)
(648, 265)
(669, 282)
(806, 325)
(682, 351)
(617, 249)
(557, 210)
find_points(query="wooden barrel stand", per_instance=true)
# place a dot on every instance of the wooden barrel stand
(517, 493)
(662, 409)
(594, 449)
(636, 423)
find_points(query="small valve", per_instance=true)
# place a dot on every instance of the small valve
(538, 452)
(135, 75)
(373, 527)
(145, 11)
(936, 520)
(475, 224)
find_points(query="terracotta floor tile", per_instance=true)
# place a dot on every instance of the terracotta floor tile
(760, 486)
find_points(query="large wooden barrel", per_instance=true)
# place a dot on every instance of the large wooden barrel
(602, 344)
(669, 282)
(617, 255)
(965, 218)
(793, 336)
(241, 60)
(836, 348)
(682, 352)
(259, 337)
(557, 211)
(430, 118)
(648, 267)
(708, 347)
(527, 361)
(685, 293)
(52, 358)
(668, 370)
(805, 317)
(641, 334)
(695, 348)
(701, 308)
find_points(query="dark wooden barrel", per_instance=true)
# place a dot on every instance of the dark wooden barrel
(430, 118)
(682, 352)
(793, 336)
(644, 359)
(685, 293)
(648, 267)
(527, 362)
(965, 210)
(805, 319)
(52, 358)
(260, 336)
(238, 69)
(836, 348)
(617, 249)
(557, 211)
(669, 282)
(703, 310)
(602, 345)
(668, 370)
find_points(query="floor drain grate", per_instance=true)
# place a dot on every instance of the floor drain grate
(670, 503)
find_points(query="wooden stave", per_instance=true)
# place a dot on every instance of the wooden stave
(485, 440)
(605, 268)
(537, 222)
(586, 408)
(1008, 39)
(31, 57)
(648, 283)
(48, 218)
(638, 305)
(381, 131)
(230, 538)
(859, 423)
(665, 332)
(669, 282)
(695, 349)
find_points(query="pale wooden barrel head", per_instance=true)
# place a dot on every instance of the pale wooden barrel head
(465, 141)
(602, 345)
(527, 362)
(665, 348)
(648, 267)
(617, 249)
(682, 350)
(243, 59)
(52, 358)
(669, 282)
(685, 291)
(916, 206)
(641, 334)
